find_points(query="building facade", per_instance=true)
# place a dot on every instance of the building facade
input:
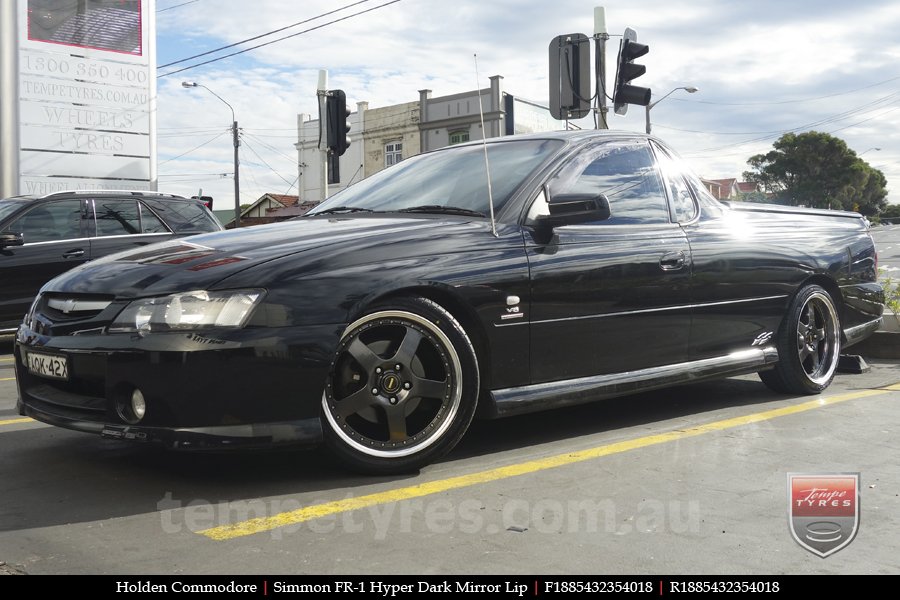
(311, 181)
(382, 137)
(392, 134)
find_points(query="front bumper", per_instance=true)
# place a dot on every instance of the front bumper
(250, 436)
(257, 387)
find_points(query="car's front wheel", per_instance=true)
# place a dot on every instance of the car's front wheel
(402, 389)
(809, 345)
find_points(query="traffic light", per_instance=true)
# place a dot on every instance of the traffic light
(626, 71)
(206, 200)
(570, 76)
(337, 114)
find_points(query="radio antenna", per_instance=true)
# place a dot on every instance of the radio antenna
(487, 163)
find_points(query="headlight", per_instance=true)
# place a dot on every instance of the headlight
(29, 316)
(190, 310)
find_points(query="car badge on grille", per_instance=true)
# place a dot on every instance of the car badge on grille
(73, 305)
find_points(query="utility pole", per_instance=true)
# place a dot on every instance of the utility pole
(236, 138)
(237, 175)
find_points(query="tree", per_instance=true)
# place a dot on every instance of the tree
(819, 170)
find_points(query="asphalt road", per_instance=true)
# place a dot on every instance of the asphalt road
(887, 242)
(684, 481)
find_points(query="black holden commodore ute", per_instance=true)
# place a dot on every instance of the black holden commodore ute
(593, 265)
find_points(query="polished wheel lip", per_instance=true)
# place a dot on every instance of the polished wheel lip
(452, 404)
(810, 339)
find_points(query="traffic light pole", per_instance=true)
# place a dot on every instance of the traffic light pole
(322, 96)
(601, 36)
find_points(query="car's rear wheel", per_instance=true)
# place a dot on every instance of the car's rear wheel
(809, 345)
(402, 389)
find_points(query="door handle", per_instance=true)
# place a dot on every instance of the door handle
(672, 261)
(77, 253)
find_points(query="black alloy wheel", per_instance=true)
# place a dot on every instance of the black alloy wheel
(809, 345)
(402, 389)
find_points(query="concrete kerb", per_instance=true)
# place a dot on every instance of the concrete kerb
(884, 343)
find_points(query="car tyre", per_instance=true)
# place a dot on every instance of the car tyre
(809, 345)
(402, 388)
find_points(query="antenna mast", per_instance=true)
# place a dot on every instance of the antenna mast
(487, 164)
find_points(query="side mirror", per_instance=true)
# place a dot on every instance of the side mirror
(571, 209)
(11, 239)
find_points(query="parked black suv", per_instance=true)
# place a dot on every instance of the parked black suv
(40, 237)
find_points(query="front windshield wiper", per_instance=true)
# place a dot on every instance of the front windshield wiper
(341, 209)
(441, 209)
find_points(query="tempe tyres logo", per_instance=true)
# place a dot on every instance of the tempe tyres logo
(823, 511)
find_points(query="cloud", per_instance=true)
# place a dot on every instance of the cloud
(762, 68)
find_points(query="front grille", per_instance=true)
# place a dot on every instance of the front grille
(57, 314)
(60, 308)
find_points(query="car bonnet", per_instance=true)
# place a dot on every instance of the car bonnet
(202, 261)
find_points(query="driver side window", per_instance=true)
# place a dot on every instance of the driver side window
(52, 221)
(626, 173)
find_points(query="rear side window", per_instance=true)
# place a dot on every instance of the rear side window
(683, 207)
(184, 216)
(117, 217)
(125, 216)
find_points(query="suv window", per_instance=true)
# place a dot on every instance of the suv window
(125, 217)
(184, 217)
(626, 173)
(117, 217)
(50, 221)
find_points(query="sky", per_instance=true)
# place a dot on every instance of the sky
(762, 69)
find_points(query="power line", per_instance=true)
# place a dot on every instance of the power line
(193, 149)
(195, 174)
(212, 60)
(777, 102)
(262, 35)
(159, 10)
(271, 148)
(871, 106)
(251, 149)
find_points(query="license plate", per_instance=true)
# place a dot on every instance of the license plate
(48, 365)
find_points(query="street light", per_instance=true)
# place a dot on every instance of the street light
(689, 89)
(237, 143)
(869, 150)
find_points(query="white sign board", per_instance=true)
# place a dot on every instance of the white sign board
(87, 87)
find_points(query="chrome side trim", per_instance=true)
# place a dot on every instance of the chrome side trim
(554, 394)
(858, 333)
(64, 241)
(99, 237)
(131, 235)
(660, 309)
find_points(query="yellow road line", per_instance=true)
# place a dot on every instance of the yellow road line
(16, 421)
(7, 378)
(316, 511)
(6, 359)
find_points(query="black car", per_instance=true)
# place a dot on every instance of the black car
(588, 265)
(40, 237)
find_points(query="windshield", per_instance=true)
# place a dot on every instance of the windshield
(455, 178)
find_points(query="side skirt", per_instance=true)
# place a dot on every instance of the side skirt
(541, 396)
(856, 334)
